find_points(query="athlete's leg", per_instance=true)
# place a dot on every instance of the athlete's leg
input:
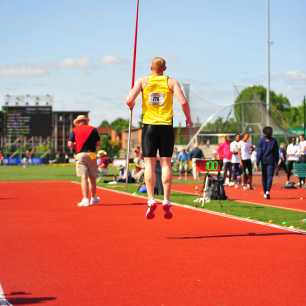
(150, 175)
(166, 176)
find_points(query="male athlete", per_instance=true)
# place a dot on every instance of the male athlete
(157, 133)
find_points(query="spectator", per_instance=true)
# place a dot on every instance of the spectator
(66, 158)
(174, 160)
(293, 150)
(183, 163)
(302, 155)
(302, 145)
(225, 154)
(103, 162)
(1, 158)
(196, 153)
(26, 159)
(267, 156)
(138, 174)
(236, 161)
(253, 158)
(282, 159)
(246, 163)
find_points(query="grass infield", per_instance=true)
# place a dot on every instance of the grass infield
(258, 212)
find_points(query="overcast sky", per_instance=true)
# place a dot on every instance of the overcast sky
(80, 51)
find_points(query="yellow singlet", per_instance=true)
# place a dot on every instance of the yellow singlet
(157, 101)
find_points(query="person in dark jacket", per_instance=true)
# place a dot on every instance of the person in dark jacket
(267, 156)
(196, 153)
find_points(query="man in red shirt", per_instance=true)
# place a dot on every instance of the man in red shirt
(85, 139)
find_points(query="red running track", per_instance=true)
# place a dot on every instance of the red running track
(54, 253)
(280, 197)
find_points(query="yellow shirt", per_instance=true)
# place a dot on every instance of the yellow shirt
(157, 101)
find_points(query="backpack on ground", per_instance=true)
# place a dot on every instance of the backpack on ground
(215, 189)
(290, 185)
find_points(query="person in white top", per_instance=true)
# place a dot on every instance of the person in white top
(302, 157)
(246, 163)
(293, 150)
(236, 161)
(302, 145)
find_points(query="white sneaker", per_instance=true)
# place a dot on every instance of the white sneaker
(84, 203)
(95, 201)
(231, 184)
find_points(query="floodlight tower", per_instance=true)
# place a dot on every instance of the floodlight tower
(268, 63)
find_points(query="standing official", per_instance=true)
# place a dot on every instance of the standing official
(84, 139)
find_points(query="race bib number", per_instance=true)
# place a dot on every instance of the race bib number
(157, 99)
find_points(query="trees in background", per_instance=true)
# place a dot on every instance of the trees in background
(250, 111)
(250, 106)
(106, 144)
(118, 124)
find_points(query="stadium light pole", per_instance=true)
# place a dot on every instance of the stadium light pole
(304, 106)
(268, 63)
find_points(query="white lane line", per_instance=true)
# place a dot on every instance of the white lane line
(3, 300)
(248, 202)
(211, 212)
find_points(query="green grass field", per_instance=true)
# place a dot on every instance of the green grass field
(257, 212)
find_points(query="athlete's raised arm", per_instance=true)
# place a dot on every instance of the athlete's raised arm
(177, 90)
(133, 94)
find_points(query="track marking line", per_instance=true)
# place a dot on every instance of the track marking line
(247, 202)
(3, 300)
(211, 212)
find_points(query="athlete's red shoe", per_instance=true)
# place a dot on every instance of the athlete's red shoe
(151, 209)
(167, 210)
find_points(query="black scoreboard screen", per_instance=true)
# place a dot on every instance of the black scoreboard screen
(28, 120)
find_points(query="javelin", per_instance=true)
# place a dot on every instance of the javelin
(132, 85)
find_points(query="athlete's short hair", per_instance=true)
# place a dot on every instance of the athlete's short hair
(159, 62)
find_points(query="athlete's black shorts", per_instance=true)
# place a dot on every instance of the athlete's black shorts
(157, 138)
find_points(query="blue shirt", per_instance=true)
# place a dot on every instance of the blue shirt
(267, 151)
(183, 156)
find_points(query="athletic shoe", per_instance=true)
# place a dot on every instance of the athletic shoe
(84, 203)
(245, 187)
(267, 196)
(231, 184)
(236, 186)
(95, 200)
(167, 210)
(151, 209)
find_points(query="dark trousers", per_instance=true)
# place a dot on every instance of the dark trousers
(289, 169)
(228, 170)
(281, 165)
(236, 172)
(267, 176)
(247, 170)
